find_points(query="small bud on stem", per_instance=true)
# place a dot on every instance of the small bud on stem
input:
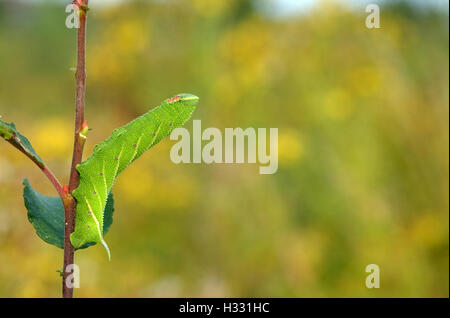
(84, 130)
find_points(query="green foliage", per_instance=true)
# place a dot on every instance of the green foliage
(46, 214)
(9, 132)
(99, 172)
(363, 148)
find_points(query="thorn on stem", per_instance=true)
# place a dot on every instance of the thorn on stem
(84, 130)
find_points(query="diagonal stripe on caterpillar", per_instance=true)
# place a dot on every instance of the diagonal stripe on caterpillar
(99, 172)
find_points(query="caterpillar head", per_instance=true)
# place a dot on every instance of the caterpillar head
(186, 99)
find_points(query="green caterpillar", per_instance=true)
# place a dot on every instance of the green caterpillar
(99, 172)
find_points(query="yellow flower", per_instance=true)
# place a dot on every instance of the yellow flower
(53, 138)
(338, 104)
(290, 147)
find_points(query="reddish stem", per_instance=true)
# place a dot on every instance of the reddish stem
(54, 181)
(70, 204)
(16, 142)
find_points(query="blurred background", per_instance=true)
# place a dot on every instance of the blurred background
(363, 119)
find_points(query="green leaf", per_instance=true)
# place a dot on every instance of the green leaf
(46, 214)
(9, 132)
(99, 172)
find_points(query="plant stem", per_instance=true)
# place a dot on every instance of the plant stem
(54, 181)
(17, 143)
(70, 204)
